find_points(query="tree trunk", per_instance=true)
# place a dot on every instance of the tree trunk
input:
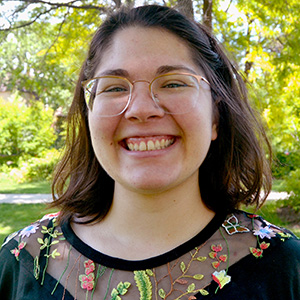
(186, 8)
(207, 13)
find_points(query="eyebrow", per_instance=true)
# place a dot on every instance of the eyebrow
(161, 70)
(170, 68)
(115, 72)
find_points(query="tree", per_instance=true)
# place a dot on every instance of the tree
(24, 130)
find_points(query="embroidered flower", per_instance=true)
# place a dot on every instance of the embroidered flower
(50, 216)
(264, 232)
(252, 216)
(87, 282)
(258, 252)
(27, 231)
(221, 278)
(16, 251)
(87, 279)
(89, 266)
(216, 248)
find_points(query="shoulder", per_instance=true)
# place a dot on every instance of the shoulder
(29, 237)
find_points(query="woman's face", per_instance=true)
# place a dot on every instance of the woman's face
(140, 53)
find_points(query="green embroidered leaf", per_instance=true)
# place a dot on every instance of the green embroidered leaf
(118, 298)
(144, 285)
(120, 286)
(191, 287)
(127, 284)
(212, 254)
(162, 293)
(40, 241)
(54, 242)
(201, 258)
(149, 272)
(204, 292)
(114, 293)
(45, 227)
(182, 266)
(55, 253)
(198, 276)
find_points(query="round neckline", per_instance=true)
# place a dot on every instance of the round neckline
(148, 263)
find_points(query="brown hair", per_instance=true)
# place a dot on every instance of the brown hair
(235, 170)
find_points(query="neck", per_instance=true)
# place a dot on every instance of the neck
(140, 225)
(154, 224)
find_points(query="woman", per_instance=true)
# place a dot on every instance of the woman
(162, 149)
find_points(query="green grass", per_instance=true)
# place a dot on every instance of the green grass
(17, 216)
(8, 186)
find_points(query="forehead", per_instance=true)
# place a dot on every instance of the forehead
(145, 49)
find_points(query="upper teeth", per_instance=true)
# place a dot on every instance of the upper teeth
(150, 145)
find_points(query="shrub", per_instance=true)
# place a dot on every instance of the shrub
(36, 168)
(292, 186)
(284, 163)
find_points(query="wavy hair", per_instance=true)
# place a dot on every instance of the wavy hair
(235, 169)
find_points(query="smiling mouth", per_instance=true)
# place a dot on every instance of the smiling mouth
(149, 143)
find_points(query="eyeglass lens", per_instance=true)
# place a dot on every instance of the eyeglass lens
(174, 93)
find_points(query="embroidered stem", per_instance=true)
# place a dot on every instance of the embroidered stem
(97, 277)
(68, 261)
(108, 285)
(228, 254)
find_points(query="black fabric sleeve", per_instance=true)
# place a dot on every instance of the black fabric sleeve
(9, 273)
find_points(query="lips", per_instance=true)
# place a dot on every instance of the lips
(148, 143)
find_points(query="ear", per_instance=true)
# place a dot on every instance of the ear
(214, 132)
(215, 122)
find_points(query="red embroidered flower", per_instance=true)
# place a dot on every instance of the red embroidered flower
(216, 248)
(16, 251)
(264, 245)
(256, 252)
(89, 266)
(216, 264)
(223, 257)
(87, 282)
(253, 216)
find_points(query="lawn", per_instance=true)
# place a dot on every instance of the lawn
(16, 216)
(9, 186)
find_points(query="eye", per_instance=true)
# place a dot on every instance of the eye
(174, 84)
(114, 89)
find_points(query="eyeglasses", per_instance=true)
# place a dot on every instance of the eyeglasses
(175, 93)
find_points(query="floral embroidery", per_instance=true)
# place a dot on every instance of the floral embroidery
(232, 226)
(214, 255)
(17, 250)
(49, 216)
(151, 283)
(264, 232)
(221, 278)
(258, 252)
(27, 231)
(89, 266)
(87, 281)
(88, 278)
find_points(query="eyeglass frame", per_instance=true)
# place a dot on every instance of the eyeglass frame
(131, 84)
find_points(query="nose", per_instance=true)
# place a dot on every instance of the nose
(142, 107)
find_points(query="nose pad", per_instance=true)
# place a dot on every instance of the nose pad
(142, 106)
